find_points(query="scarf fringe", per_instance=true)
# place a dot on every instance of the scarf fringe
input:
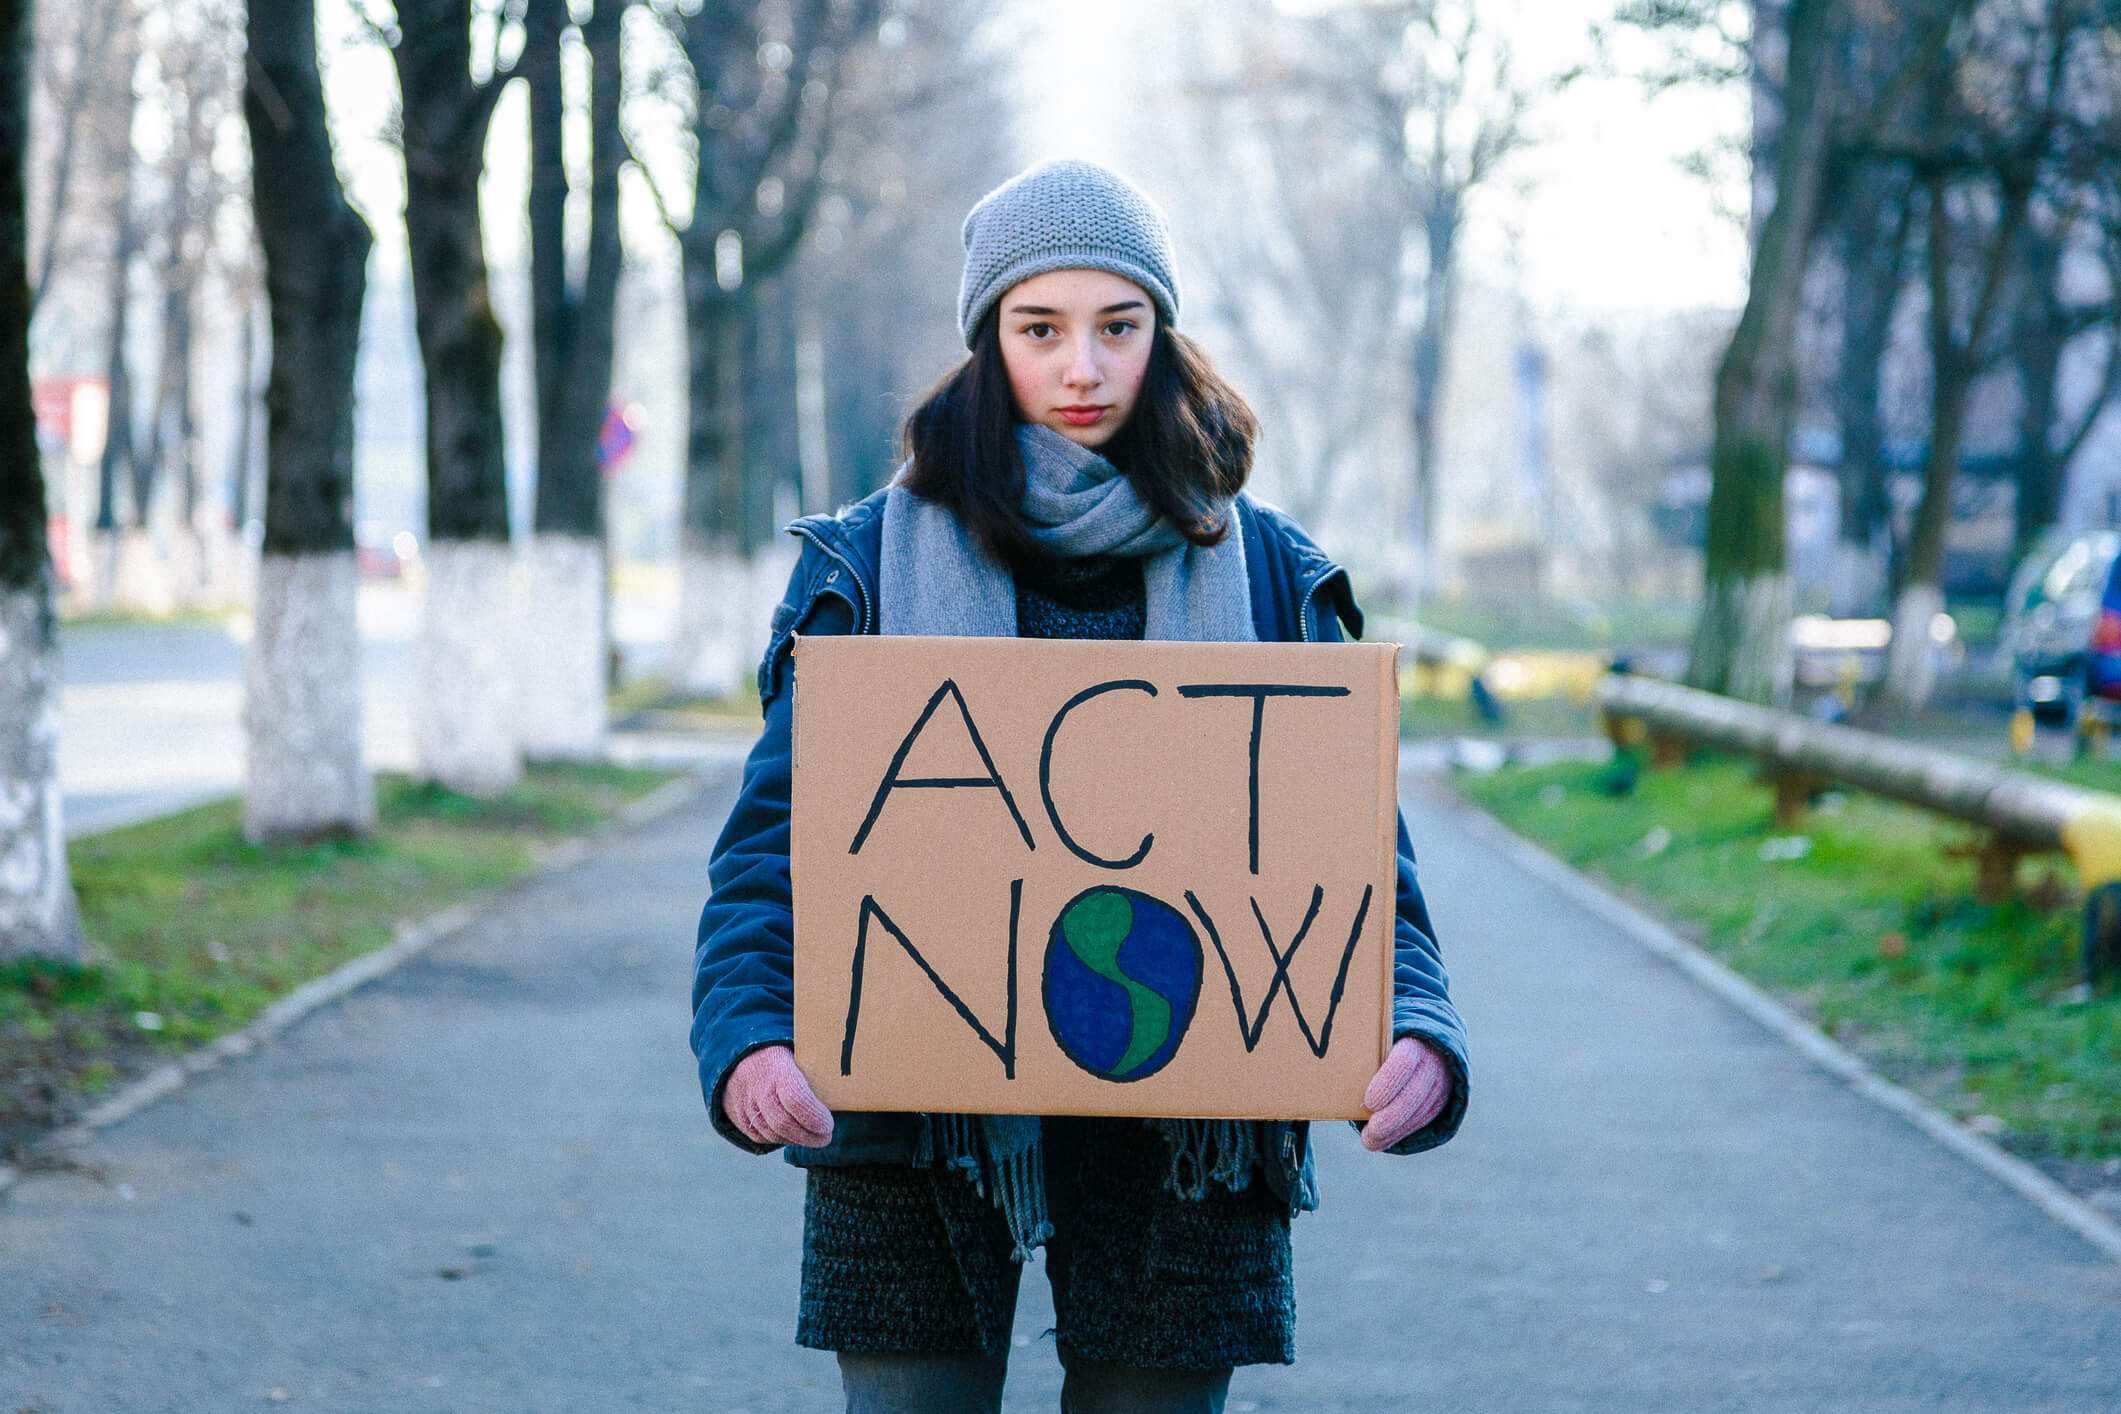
(1205, 1151)
(1020, 1192)
(1003, 1158)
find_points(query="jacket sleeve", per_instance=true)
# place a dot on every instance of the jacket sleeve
(1421, 1001)
(743, 977)
(1421, 989)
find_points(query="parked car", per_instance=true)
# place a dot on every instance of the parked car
(2062, 625)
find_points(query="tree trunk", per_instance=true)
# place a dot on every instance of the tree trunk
(561, 649)
(242, 454)
(563, 653)
(1431, 343)
(37, 912)
(1740, 645)
(464, 718)
(766, 127)
(303, 770)
(2039, 340)
(1873, 238)
(551, 309)
(95, 25)
(1910, 665)
(464, 734)
(118, 432)
(772, 450)
(713, 647)
(171, 432)
(863, 374)
(460, 343)
(1745, 611)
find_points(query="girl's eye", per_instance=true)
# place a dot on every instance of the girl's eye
(1119, 328)
(1038, 331)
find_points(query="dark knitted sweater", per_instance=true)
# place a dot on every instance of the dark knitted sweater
(1095, 596)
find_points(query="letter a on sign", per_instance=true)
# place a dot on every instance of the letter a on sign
(1069, 877)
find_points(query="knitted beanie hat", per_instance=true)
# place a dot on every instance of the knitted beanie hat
(1066, 215)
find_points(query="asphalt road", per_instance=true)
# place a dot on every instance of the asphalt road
(485, 1183)
(151, 714)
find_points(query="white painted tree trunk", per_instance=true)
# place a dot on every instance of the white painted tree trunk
(303, 773)
(725, 611)
(1911, 659)
(561, 650)
(37, 913)
(703, 656)
(464, 731)
(1752, 615)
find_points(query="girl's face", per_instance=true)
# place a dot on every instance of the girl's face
(1076, 344)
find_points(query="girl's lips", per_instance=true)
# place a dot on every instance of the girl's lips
(1081, 416)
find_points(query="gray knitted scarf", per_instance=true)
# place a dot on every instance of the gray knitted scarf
(937, 580)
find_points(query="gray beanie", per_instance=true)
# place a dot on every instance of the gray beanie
(1066, 215)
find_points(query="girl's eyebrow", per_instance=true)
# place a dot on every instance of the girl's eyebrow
(1043, 312)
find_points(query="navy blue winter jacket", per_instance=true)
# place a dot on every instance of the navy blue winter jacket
(743, 972)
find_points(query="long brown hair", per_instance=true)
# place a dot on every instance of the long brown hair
(1187, 445)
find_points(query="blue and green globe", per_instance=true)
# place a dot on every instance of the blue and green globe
(1123, 973)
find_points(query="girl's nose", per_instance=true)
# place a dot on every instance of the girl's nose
(1084, 368)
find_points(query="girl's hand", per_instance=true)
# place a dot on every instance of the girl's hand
(767, 1097)
(1409, 1089)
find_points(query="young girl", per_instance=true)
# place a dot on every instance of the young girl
(1079, 476)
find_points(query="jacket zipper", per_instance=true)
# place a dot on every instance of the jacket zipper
(1303, 607)
(844, 563)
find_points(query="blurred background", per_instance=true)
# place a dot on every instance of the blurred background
(1770, 345)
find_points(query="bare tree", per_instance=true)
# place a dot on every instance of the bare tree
(2046, 324)
(74, 73)
(1292, 236)
(875, 286)
(757, 92)
(1870, 223)
(1460, 111)
(1996, 125)
(464, 724)
(37, 913)
(563, 656)
(196, 84)
(1739, 643)
(1400, 109)
(124, 249)
(304, 774)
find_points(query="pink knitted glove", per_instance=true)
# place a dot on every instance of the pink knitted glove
(1409, 1089)
(767, 1097)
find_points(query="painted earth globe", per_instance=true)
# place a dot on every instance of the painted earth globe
(1123, 973)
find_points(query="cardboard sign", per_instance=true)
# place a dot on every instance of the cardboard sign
(1070, 877)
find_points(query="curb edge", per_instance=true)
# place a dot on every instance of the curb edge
(2050, 1197)
(410, 941)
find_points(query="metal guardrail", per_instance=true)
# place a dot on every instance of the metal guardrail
(2021, 813)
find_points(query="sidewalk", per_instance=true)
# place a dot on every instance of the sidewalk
(485, 1183)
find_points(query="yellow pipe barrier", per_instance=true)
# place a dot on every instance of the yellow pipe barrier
(2023, 812)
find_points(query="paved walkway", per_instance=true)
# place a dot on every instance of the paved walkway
(485, 1183)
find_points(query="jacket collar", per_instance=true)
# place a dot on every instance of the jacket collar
(852, 541)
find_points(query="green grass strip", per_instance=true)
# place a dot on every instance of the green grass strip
(192, 931)
(1862, 922)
